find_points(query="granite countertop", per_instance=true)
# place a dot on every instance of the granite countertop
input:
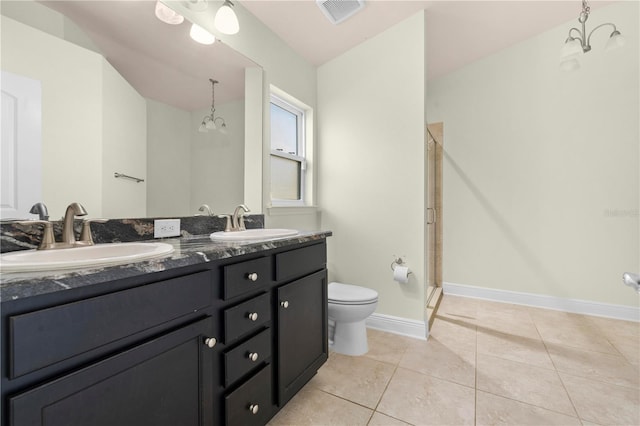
(190, 250)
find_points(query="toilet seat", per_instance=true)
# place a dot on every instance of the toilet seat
(347, 294)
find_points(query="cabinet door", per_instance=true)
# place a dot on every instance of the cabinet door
(165, 381)
(302, 332)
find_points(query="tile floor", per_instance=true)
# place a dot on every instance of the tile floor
(485, 363)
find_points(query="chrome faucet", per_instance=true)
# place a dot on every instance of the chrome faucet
(41, 210)
(206, 208)
(68, 234)
(237, 221)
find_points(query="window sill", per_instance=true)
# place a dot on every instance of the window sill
(291, 210)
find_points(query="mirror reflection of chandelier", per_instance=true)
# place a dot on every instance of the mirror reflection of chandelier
(579, 42)
(209, 121)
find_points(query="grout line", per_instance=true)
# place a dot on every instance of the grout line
(529, 404)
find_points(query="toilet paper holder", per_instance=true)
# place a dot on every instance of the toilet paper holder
(398, 262)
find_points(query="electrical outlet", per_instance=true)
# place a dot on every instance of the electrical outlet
(166, 228)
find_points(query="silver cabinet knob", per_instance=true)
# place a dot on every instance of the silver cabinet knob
(284, 304)
(252, 276)
(253, 316)
(253, 356)
(254, 408)
(210, 341)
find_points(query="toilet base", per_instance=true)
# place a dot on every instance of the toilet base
(350, 338)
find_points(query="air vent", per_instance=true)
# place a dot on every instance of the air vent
(337, 11)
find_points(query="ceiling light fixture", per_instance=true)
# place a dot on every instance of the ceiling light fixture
(201, 35)
(226, 20)
(168, 15)
(578, 42)
(209, 121)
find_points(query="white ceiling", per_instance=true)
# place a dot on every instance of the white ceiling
(159, 60)
(457, 32)
(164, 64)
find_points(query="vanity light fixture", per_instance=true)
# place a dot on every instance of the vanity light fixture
(578, 42)
(226, 20)
(209, 121)
(200, 35)
(168, 15)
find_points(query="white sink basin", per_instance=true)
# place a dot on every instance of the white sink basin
(253, 234)
(76, 257)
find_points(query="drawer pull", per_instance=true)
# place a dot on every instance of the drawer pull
(254, 408)
(284, 304)
(210, 341)
(252, 276)
(253, 356)
(253, 316)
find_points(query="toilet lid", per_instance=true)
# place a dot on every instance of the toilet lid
(351, 294)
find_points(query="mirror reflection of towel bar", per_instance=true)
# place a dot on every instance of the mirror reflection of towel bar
(121, 175)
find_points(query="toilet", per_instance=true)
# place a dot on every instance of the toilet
(349, 307)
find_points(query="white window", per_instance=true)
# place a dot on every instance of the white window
(288, 161)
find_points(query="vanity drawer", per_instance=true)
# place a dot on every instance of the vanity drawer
(250, 404)
(246, 317)
(246, 357)
(45, 337)
(244, 277)
(300, 262)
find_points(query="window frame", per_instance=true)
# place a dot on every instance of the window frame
(300, 157)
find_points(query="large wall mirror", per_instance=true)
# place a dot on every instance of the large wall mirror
(123, 92)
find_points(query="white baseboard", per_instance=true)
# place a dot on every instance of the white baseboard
(627, 313)
(398, 325)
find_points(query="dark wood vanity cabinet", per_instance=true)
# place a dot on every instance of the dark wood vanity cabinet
(225, 342)
(302, 332)
(165, 381)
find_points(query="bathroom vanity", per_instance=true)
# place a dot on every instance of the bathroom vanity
(216, 333)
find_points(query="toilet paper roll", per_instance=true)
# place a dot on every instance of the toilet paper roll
(401, 274)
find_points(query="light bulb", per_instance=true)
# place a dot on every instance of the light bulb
(223, 128)
(226, 20)
(211, 125)
(202, 128)
(168, 15)
(571, 47)
(615, 41)
(201, 35)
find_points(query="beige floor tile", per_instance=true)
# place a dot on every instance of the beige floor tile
(314, 407)
(496, 410)
(380, 419)
(623, 335)
(612, 369)
(386, 347)
(438, 360)
(603, 403)
(358, 379)
(631, 351)
(517, 311)
(459, 308)
(454, 332)
(571, 330)
(419, 399)
(514, 380)
(507, 319)
(617, 328)
(514, 348)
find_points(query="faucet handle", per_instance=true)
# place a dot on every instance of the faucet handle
(86, 239)
(48, 240)
(206, 208)
(227, 227)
